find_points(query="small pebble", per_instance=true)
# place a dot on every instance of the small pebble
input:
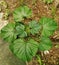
(46, 52)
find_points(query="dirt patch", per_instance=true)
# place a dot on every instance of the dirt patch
(53, 57)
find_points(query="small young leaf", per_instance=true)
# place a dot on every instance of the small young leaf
(48, 26)
(20, 28)
(45, 44)
(21, 13)
(8, 32)
(24, 50)
(34, 27)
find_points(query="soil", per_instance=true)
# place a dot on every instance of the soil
(6, 57)
(39, 9)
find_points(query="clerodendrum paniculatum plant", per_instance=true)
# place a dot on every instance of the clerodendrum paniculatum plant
(27, 39)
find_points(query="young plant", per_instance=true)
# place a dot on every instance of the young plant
(27, 39)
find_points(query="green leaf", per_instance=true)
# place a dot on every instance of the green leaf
(34, 27)
(45, 44)
(24, 50)
(21, 13)
(47, 1)
(8, 32)
(20, 28)
(48, 26)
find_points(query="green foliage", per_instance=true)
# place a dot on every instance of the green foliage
(47, 1)
(34, 27)
(20, 28)
(24, 50)
(45, 44)
(8, 32)
(22, 36)
(21, 13)
(48, 26)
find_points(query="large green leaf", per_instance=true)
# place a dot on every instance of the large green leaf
(34, 27)
(20, 28)
(21, 13)
(8, 32)
(45, 44)
(24, 50)
(48, 26)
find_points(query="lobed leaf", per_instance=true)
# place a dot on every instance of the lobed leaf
(20, 28)
(34, 27)
(48, 26)
(21, 13)
(24, 50)
(8, 32)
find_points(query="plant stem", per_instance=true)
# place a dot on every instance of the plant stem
(39, 59)
(26, 63)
